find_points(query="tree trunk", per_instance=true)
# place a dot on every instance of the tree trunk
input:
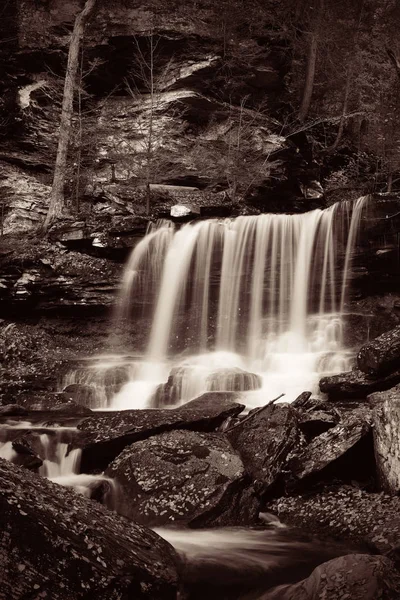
(343, 115)
(390, 182)
(311, 64)
(57, 200)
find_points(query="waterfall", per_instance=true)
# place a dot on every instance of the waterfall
(264, 294)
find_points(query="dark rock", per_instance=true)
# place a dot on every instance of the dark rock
(356, 384)
(26, 456)
(213, 402)
(266, 441)
(64, 546)
(183, 477)
(381, 355)
(386, 422)
(106, 435)
(355, 576)
(328, 448)
(84, 395)
(12, 410)
(302, 400)
(346, 513)
(233, 380)
(315, 416)
(52, 401)
(316, 422)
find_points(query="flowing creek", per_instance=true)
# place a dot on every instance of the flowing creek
(252, 304)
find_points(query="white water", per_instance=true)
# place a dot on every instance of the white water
(264, 294)
(60, 464)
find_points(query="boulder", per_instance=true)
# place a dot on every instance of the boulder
(344, 512)
(303, 401)
(49, 401)
(265, 442)
(356, 384)
(386, 422)
(25, 454)
(315, 422)
(355, 576)
(213, 402)
(381, 355)
(58, 544)
(233, 380)
(105, 435)
(326, 449)
(315, 416)
(185, 478)
(12, 410)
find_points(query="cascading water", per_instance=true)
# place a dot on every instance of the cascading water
(60, 463)
(261, 294)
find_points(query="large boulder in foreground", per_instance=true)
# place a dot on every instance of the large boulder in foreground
(265, 442)
(350, 577)
(356, 384)
(105, 435)
(381, 355)
(185, 478)
(346, 513)
(386, 421)
(57, 544)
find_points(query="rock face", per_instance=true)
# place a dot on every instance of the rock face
(233, 380)
(265, 443)
(346, 513)
(315, 416)
(381, 355)
(356, 384)
(355, 576)
(328, 448)
(185, 478)
(104, 436)
(57, 544)
(386, 421)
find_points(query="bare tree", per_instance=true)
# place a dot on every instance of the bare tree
(146, 84)
(57, 199)
(311, 61)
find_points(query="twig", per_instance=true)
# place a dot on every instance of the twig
(253, 414)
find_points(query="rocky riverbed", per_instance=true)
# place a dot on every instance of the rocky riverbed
(326, 467)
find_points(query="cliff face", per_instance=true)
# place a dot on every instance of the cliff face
(216, 116)
(219, 130)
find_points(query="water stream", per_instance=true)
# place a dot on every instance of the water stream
(263, 295)
(253, 304)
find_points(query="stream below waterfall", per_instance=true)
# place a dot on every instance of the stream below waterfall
(254, 306)
(222, 563)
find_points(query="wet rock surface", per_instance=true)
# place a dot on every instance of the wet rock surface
(12, 410)
(265, 443)
(356, 384)
(344, 443)
(185, 478)
(381, 355)
(66, 547)
(344, 512)
(105, 435)
(386, 422)
(355, 576)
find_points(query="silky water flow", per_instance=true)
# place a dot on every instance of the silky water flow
(254, 304)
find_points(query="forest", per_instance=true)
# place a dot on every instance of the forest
(199, 299)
